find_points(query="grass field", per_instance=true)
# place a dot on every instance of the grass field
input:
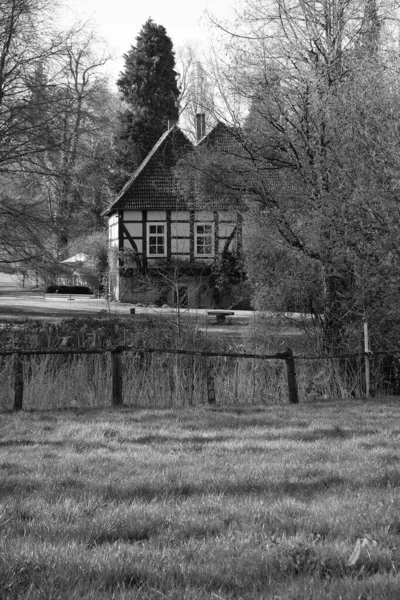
(284, 502)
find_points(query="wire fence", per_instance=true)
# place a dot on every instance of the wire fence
(160, 378)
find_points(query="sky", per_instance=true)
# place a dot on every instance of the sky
(118, 22)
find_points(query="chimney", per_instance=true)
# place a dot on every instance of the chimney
(200, 126)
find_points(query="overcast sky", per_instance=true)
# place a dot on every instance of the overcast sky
(119, 21)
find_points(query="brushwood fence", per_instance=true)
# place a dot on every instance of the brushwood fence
(161, 378)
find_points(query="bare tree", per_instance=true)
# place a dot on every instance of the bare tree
(318, 148)
(53, 116)
(24, 224)
(196, 92)
(29, 39)
(80, 157)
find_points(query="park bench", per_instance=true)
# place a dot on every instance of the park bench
(221, 315)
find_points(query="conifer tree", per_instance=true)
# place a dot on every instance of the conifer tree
(149, 88)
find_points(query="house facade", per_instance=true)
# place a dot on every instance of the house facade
(165, 242)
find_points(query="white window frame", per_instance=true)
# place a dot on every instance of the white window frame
(203, 235)
(164, 234)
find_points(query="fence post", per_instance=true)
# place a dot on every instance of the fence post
(18, 376)
(366, 358)
(291, 377)
(116, 375)
(210, 382)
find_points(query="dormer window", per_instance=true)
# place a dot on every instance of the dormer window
(204, 239)
(156, 239)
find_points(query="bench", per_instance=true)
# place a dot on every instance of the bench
(221, 315)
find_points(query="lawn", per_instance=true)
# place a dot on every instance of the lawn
(281, 502)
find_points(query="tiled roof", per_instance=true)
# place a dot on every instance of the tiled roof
(153, 185)
(228, 150)
(210, 193)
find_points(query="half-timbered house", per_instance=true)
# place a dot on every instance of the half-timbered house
(164, 240)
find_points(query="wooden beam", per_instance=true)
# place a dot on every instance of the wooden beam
(168, 232)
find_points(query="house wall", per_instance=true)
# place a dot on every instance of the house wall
(198, 292)
(180, 232)
(113, 235)
(114, 243)
(131, 230)
(194, 292)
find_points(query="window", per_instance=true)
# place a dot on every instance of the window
(156, 239)
(204, 239)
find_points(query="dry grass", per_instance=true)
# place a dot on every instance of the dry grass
(167, 381)
(164, 380)
(289, 502)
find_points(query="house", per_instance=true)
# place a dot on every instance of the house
(166, 240)
(72, 274)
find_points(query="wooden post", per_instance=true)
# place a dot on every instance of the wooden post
(18, 376)
(210, 382)
(367, 364)
(192, 376)
(291, 377)
(116, 375)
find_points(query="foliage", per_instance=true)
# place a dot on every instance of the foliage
(164, 270)
(149, 89)
(226, 271)
(127, 262)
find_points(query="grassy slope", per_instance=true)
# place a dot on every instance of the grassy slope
(250, 504)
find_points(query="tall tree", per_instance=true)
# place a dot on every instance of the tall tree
(53, 129)
(318, 152)
(29, 39)
(150, 91)
(79, 159)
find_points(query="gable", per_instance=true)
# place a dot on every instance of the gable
(153, 184)
(206, 171)
(221, 137)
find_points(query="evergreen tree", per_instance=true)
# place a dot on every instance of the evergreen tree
(149, 88)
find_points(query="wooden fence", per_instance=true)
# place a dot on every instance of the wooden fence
(117, 369)
(19, 362)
